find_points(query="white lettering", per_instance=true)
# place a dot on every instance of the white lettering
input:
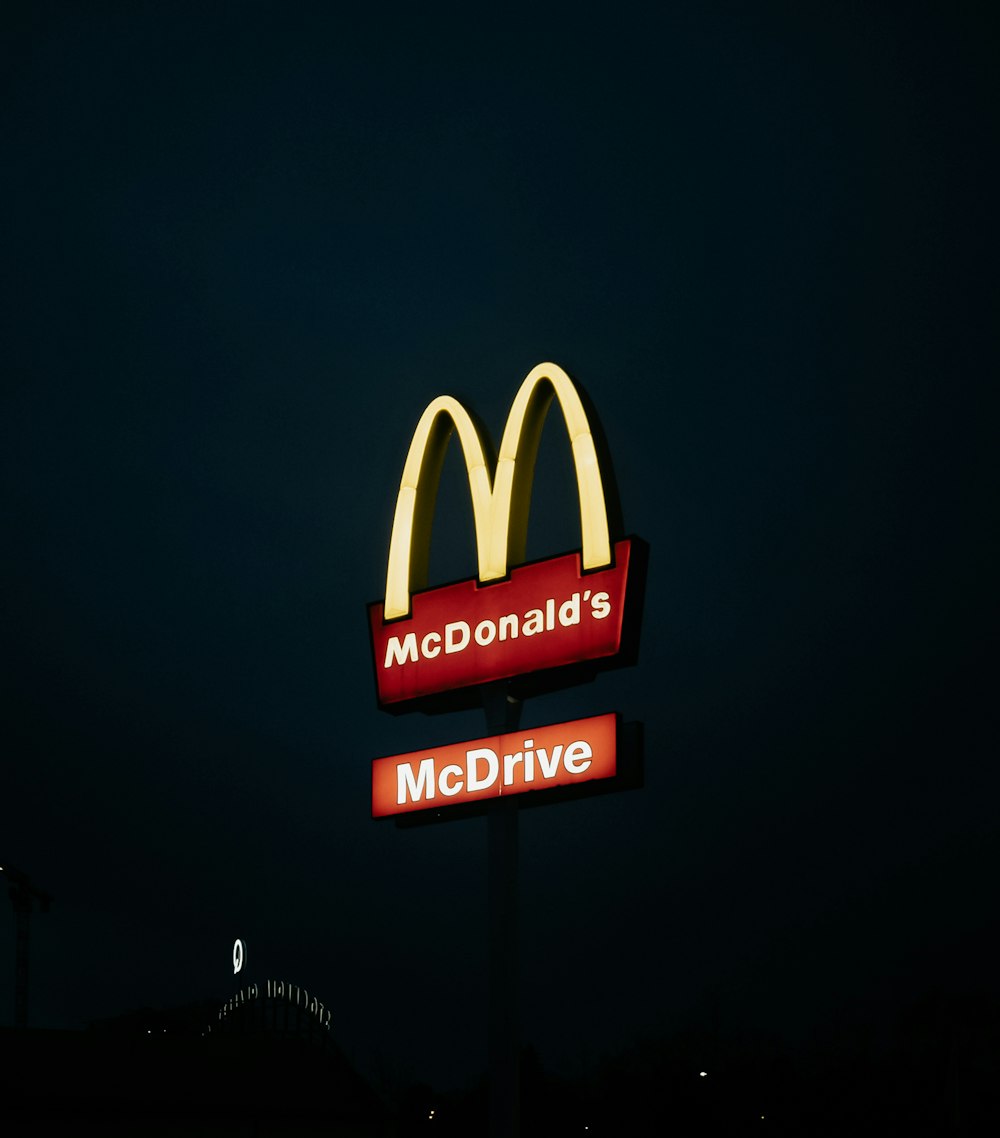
(509, 763)
(569, 611)
(399, 653)
(533, 622)
(420, 787)
(473, 782)
(548, 765)
(460, 628)
(446, 788)
(486, 632)
(578, 757)
(459, 634)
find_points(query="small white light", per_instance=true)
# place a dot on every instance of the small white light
(703, 1074)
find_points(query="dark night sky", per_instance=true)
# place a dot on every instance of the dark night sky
(244, 245)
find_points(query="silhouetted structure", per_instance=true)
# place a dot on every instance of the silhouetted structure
(23, 895)
(157, 1072)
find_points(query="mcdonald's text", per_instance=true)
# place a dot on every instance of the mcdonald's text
(538, 758)
(545, 615)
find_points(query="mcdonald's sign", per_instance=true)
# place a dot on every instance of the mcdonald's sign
(543, 624)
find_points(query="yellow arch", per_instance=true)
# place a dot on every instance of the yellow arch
(499, 506)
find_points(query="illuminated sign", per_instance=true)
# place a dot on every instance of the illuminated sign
(239, 956)
(275, 990)
(537, 758)
(506, 622)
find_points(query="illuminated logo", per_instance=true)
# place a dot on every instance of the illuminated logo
(500, 509)
(253, 997)
(507, 621)
(539, 758)
(239, 956)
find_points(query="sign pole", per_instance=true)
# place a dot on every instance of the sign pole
(503, 714)
(565, 617)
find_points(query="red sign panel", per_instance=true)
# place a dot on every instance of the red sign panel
(545, 615)
(536, 758)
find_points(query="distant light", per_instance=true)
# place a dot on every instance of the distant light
(703, 1074)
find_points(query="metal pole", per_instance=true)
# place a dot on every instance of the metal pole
(22, 926)
(503, 714)
(23, 896)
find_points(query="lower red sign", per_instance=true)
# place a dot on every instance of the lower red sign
(537, 758)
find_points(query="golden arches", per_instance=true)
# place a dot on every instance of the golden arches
(499, 506)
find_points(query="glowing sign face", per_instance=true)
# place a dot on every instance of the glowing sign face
(546, 615)
(504, 623)
(239, 956)
(273, 990)
(538, 758)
